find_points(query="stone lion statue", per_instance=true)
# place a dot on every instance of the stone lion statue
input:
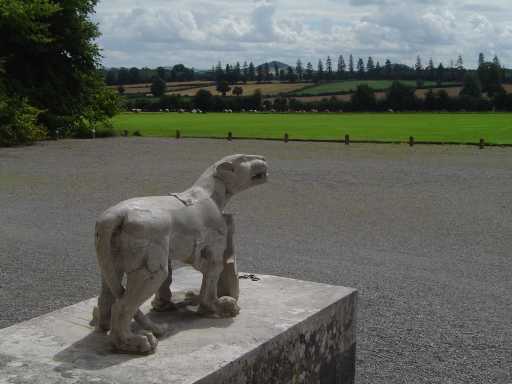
(138, 238)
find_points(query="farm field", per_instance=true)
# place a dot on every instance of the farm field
(267, 89)
(495, 128)
(351, 85)
(451, 91)
(144, 88)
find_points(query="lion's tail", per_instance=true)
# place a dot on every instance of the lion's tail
(106, 225)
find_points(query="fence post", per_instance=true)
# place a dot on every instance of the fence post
(178, 134)
(286, 137)
(347, 139)
(482, 144)
(411, 141)
(230, 136)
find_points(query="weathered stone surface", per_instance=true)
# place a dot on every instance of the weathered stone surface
(288, 331)
(140, 237)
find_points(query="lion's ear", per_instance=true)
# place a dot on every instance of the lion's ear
(225, 167)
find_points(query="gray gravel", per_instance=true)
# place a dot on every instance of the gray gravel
(424, 234)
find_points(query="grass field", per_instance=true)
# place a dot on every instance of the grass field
(495, 128)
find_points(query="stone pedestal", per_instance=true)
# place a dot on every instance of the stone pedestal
(288, 331)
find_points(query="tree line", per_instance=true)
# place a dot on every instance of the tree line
(398, 98)
(324, 70)
(482, 91)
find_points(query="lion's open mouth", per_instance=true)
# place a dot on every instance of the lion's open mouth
(259, 176)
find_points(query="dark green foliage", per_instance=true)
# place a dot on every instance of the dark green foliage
(491, 77)
(400, 97)
(18, 122)
(503, 101)
(203, 100)
(137, 133)
(471, 86)
(363, 99)
(51, 60)
(158, 87)
(223, 87)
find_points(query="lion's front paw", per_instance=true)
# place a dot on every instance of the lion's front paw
(227, 306)
(143, 344)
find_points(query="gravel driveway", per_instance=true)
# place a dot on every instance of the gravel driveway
(424, 234)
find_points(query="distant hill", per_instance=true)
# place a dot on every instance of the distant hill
(272, 65)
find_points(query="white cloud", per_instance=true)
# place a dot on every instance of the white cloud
(199, 33)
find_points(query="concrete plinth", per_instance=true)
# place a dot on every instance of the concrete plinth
(288, 331)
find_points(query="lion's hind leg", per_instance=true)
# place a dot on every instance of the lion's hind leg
(140, 285)
(104, 309)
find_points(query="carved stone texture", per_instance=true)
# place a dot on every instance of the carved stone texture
(138, 238)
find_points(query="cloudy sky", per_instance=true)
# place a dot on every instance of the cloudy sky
(199, 33)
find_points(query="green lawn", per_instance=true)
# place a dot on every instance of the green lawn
(439, 127)
(351, 85)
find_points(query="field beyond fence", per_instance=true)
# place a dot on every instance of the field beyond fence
(494, 128)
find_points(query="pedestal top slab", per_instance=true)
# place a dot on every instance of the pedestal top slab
(61, 347)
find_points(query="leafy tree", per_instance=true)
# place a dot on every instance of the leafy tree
(351, 64)
(245, 71)
(430, 102)
(440, 74)
(223, 87)
(266, 71)
(328, 66)
(18, 122)
(342, 67)
(252, 71)
(51, 59)
(443, 100)
(431, 69)
(430, 65)
(134, 75)
(123, 76)
(491, 77)
(219, 72)
(360, 67)
(291, 76)
(481, 59)
(496, 61)
(237, 72)
(203, 100)
(363, 99)
(158, 86)
(238, 91)
(309, 71)
(471, 86)
(111, 77)
(400, 97)
(299, 69)
(460, 63)
(388, 68)
(320, 70)
(257, 99)
(503, 101)
(259, 73)
(418, 66)
(370, 65)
